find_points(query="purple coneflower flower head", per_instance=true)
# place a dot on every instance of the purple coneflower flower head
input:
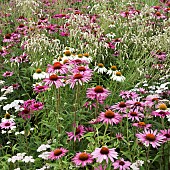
(79, 132)
(89, 105)
(57, 67)
(104, 153)
(142, 125)
(135, 105)
(119, 136)
(128, 95)
(78, 78)
(150, 100)
(166, 133)
(39, 74)
(7, 124)
(160, 113)
(82, 69)
(100, 167)
(110, 117)
(8, 38)
(158, 15)
(8, 74)
(151, 137)
(54, 79)
(134, 115)
(40, 88)
(120, 107)
(57, 153)
(82, 159)
(26, 113)
(121, 164)
(37, 106)
(99, 93)
(3, 52)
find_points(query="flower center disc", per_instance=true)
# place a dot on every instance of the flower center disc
(67, 52)
(53, 77)
(133, 114)
(81, 68)
(83, 156)
(109, 114)
(118, 73)
(57, 65)
(7, 116)
(137, 104)
(158, 14)
(77, 131)
(141, 124)
(99, 89)
(38, 70)
(86, 54)
(122, 104)
(57, 152)
(104, 150)
(26, 111)
(167, 135)
(121, 163)
(100, 65)
(21, 25)
(162, 106)
(8, 36)
(80, 55)
(40, 87)
(150, 137)
(78, 76)
(7, 124)
(114, 68)
(154, 99)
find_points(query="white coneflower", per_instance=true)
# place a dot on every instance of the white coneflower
(100, 68)
(112, 70)
(118, 77)
(39, 74)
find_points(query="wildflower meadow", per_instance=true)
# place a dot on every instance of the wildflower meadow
(85, 85)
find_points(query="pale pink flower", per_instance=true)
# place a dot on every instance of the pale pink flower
(57, 153)
(8, 74)
(122, 164)
(7, 124)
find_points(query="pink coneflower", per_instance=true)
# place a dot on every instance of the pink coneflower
(110, 117)
(82, 158)
(82, 69)
(104, 153)
(54, 79)
(160, 113)
(151, 137)
(150, 100)
(79, 132)
(142, 125)
(122, 164)
(94, 121)
(99, 93)
(26, 113)
(57, 67)
(3, 52)
(8, 38)
(57, 153)
(166, 133)
(8, 74)
(15, 86)
(135, 105)
(40, 88)
(120, 107)
(78, 78)
(128, 95)
(126, 14)
(21, 27)
(134, 115)
(7, 124)
(37, 106)
(100, 167)
(89, 105)
(158, 15)
(119, 136)
(28, 103)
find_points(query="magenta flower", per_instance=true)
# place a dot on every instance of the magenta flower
(151, 137)
(109, 117)
(166, 133)
(150, 100)
(128, 95)
(142, 125)
(54, 80)
(8, 74)
(7, 124)
(119, 136)
(134, 115)
(26, 113)
(122, 164)
(98, 93)
(82, 158)
(79, 132)
(160, 113)
(37, 106)
(104, 153)
(8, 38)
(135, 105)
(82, 69)
(3, 52)
(57, 153)
(57, 67)
(78, 78)
(40, 88)
(100, 167)
(120, 107)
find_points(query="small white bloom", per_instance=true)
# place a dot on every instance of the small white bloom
(118, 77)
(17, 169)
(3, 98)
(39, 75)
(168, 117)
(44, 155)
(43, 147)
(28, 159)
(2, 82)
(22, 132)
(17, 133)
(3, 131)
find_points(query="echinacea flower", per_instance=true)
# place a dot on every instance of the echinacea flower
(112, 70)
(118, 77)
(110, 117)
(54, 79)
(100, 167)
(57, 153)
(100, 68)
(128, 95)
(82, 158)
(37, 106)
(39, 74)
(38, 88)
(79, 132)
(151, 137)
(57, 67)
(104, 153)
(7, 124)
(26, 113)
(166, 133)
(134, 115)
(121, 164)
(78, 78)
(136, 165)
(99, 93)
(8, 74)
(120, 107)
(142, 125)
(119, 136)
